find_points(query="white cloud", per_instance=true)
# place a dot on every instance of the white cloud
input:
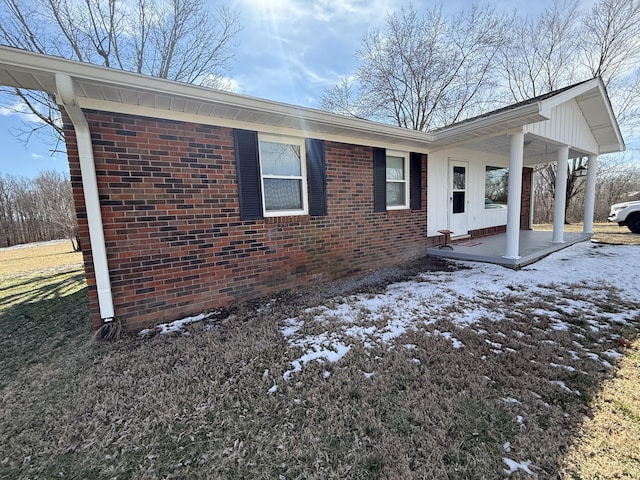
(230, 85)
(20, 110)
(36, 156)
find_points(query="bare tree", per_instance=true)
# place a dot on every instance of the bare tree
(563, 45)
(173, 39)
(542, 49)
(39, 209)
(610, 49)
(423, 70)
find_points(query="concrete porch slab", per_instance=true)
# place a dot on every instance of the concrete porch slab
(534, 245)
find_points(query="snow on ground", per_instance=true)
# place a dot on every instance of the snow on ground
(466, 296)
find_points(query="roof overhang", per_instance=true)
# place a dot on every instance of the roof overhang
(593, 100)
(590, 96)
(125, 92)
(119, 91)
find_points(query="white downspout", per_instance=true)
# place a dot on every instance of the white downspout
(67, 98)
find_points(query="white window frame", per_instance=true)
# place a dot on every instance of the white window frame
(405, 156)
(303, 177)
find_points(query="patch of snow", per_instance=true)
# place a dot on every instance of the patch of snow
(515, 466)
(507, 446)
(319, 353)
(564, 387)
(273, 389)
(176, 325)
(510, 400)
(613, 354)
(326, 374)
(292, 326)
(568, 368)
(416, 361)
(560, 326)
(368, 374)
(470, 295)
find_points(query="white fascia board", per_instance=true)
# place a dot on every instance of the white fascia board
(560, 98)
(524, 115)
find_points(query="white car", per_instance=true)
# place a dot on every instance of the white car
(627, 213)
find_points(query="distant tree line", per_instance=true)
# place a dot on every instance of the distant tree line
(37, 209)
(616, 181)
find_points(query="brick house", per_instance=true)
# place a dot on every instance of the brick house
(192, 198)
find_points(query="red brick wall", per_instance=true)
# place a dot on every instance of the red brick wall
(176, 245)
(525, 209)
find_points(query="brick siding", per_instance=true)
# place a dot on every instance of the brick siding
(175, 242)
(525, 208)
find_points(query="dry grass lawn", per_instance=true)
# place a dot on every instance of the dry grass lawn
(195, 405)
(610, 233)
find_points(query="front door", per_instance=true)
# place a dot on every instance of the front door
(458, 198)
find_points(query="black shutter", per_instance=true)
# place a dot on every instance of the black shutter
(415, 176)
(316, 177)
(379, 180)
(246, 145)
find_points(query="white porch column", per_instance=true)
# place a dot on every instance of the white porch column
(590, 194)
(560, 199)
(515, 196)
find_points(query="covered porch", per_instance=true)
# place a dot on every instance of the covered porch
(571, 123)
(534, 245)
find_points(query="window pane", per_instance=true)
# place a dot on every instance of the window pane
(282, 194)
(280, 159)
(459, 180)
(496, 187)
(395, 194)
(395, 168)
(458, 202)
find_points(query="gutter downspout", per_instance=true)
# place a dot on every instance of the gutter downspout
(67, 98)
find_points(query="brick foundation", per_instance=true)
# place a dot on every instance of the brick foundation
(175, 242)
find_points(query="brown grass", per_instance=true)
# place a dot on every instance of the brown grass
(35, 258)
(196, 406)
(608, 444)
(610, 233)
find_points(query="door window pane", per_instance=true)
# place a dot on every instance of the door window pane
(459, 178)
(458, 202)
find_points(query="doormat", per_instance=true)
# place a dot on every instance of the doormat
(468, 243)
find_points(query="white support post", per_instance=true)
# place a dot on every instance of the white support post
(514, 200)
(590, 194)
(560, 199)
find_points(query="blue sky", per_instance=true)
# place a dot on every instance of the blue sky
(288, 51)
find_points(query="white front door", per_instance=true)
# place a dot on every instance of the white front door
(458, 197)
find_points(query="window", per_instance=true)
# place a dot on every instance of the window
(496, 187)
(283, 174)
(397, 181)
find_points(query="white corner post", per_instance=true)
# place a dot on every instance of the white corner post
(590, 194)
(67, 98)
(560, 199)
(514, 200)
